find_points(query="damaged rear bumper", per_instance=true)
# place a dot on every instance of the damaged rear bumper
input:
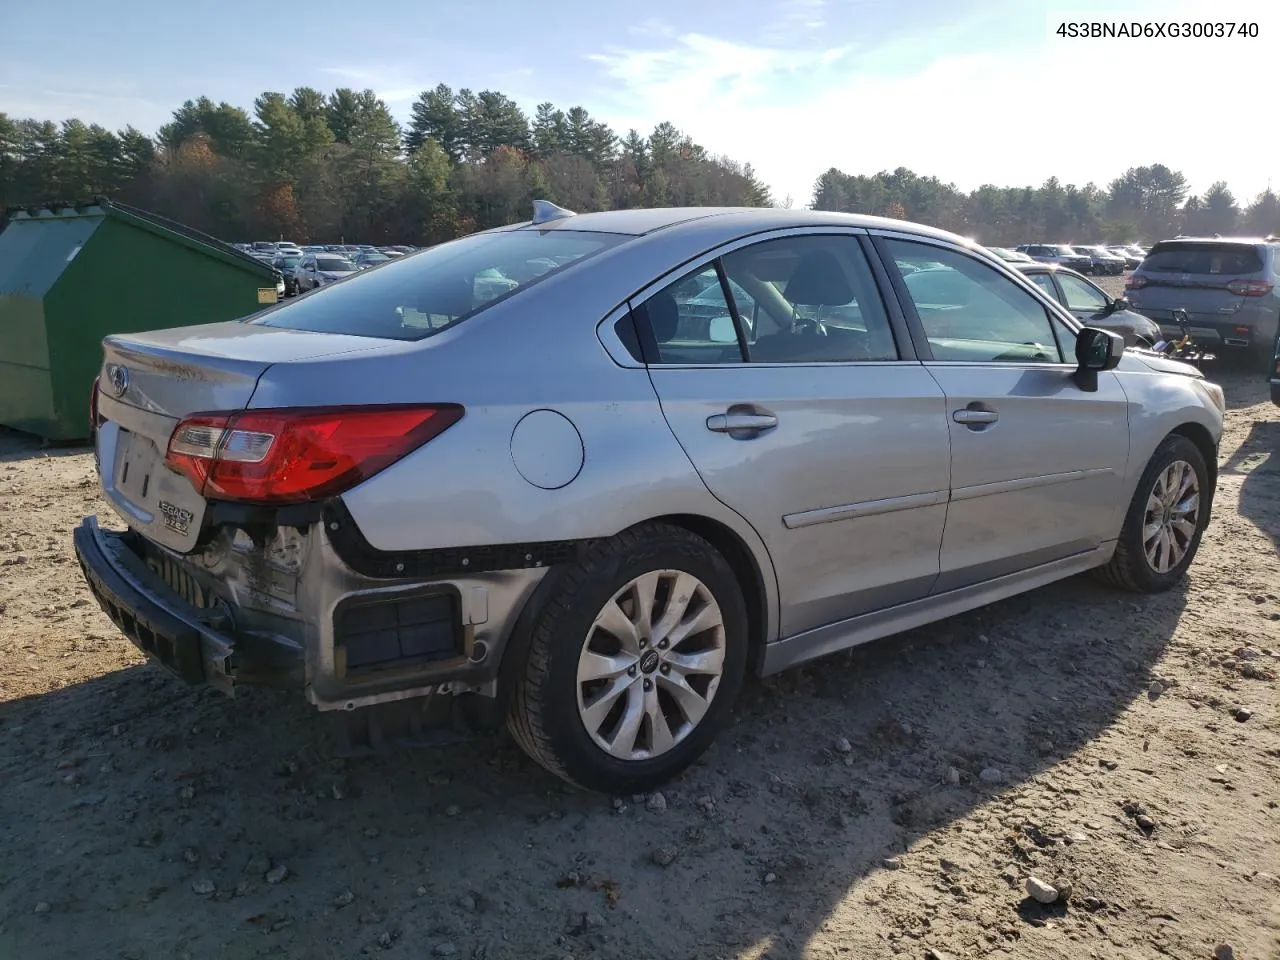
(188, 641)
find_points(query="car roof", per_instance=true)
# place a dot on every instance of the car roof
(736, 220)
(1242, 241)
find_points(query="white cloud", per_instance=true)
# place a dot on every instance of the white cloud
(1081, 110)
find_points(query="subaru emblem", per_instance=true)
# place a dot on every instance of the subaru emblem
(118, 379)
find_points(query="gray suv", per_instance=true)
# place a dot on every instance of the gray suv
(1227, 287)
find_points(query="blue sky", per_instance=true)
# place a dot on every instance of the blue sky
(971, 91)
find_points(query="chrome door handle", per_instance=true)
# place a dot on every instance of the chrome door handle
(975, 416)
(741, 422)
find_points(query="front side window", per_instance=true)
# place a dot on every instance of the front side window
(970, 312)
(418, 296)
(1082, 295)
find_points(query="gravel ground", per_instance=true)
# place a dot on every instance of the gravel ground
(899, 800)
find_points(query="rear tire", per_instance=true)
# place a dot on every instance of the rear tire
(634, 663)
(1163, 526)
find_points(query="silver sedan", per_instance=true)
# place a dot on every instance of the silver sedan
(582, 474)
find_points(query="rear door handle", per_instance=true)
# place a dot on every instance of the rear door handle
(968, 416)
(732, 423)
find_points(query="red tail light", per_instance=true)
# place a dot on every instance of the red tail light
(1250, 288)
(94, 422)
(298, 455)
(1135, 282)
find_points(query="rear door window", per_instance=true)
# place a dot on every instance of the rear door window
(1045, 283)
(1227, 259)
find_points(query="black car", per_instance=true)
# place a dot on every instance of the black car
(1058, 253)
(1090, 304)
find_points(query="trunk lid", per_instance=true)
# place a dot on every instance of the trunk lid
(150, 381)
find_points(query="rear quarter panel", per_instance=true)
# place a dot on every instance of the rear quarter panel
(535, 351)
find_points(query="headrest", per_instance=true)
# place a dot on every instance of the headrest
(664, 315)
(818, 281)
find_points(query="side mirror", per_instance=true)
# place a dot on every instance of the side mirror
(1096, 350)
(1120, 303)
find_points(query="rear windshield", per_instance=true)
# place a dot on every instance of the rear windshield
(1209, 258)
(415, 297)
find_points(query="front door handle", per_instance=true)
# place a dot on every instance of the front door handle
(741, 423)
(969, 416)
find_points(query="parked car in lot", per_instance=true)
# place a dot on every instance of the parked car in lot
(1010, 256)
(375, 494)
(286, 265)
(1104, 262)
(1227, 286)
(315, 270)
(1057, 253)
(1090, 304)
(369, 258)
(1132, 255)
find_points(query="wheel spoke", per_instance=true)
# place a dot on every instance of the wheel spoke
(598, 666)
(595, 712)
(680, 592)
(703, 662)
(706, 618)
(1151, 531)
(661, 737)
(690, 702)
(645, 589)
(1188, 504)
(624, 740)
(1186, 528)
(615, 622)
(1166, 551)
(1155, 505)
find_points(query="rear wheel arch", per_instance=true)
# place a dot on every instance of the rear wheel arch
(746, 570)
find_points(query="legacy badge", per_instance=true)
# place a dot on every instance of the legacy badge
(176, 518)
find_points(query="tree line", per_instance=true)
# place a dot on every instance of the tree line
(1142, 204)
(311, 166)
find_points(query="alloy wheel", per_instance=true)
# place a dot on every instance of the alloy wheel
(651, 664)
(1172, 516)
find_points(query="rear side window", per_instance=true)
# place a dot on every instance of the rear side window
(420, 295)
(1229, 259)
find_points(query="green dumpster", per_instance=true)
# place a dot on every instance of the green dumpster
(70, 276)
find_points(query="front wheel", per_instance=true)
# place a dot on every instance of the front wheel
(634, 663)
(1165, 520)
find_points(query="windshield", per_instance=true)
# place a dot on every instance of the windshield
(415, 297)
(334, 265)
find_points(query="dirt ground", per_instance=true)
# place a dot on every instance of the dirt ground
(888, 802)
